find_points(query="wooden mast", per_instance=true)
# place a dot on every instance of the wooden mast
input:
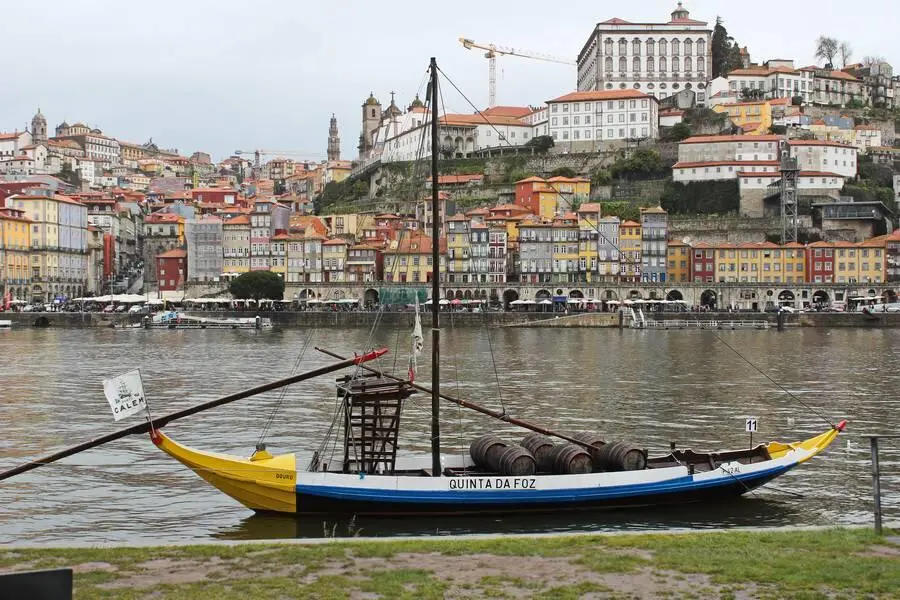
(435, 282)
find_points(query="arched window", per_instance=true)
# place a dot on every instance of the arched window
(701, 47)
(688, 47)
(676, 47)
(636, 47)
(623, 64)
(608, 44)
(608, 66)
(623, 46)
(662, 65)
(650, 65)
(676, 63)
(651, 47)
(636, 65)
(663, 47)
(701, 64)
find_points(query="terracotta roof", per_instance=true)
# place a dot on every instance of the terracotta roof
(630, 224)
(481, 119)
(600, 95)
(155, 218)
(762, 71)
(615, 21)
(590, 207)
(510, 207)
(336, 242)
(478, 211)
(10, 136)
(836, 75)
(174, 253)
(507, 111)
(713, 139)
(417, 244)
(238, 220)
(532, 179)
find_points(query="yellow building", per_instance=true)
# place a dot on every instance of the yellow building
(235, 244)
(755, 118)
(630, 243)
(571, 191)
(588, 240)
(679, 258)
(15, 249)
(410, 260)
(726, 264)
(348, 224)
(59, 245)
(872, 263)
(564, 233)
(459, 252)
(793, 263)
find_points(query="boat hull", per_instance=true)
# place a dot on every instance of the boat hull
(338, 502)
(266, 483)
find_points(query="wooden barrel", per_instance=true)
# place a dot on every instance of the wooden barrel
(486, 450)
(541, 448)
(571, 459)
(596, 444)
(516, 461)
(622, 456)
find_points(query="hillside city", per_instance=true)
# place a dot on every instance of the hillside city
(677, 159)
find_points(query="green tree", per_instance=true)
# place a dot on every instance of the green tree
(563, 172)
(642, 164)
(797, 100)
(624, 210)
(701, 197)
(726, 53)
(69, 176)
(541, 143)
(600, 177)
(681, 131)
(258, 285)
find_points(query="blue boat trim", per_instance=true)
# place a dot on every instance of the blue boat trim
(676, 485)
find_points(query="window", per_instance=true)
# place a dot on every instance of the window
(623, 64)
(636, 64)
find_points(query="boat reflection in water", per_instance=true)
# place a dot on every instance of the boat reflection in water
(749, 512)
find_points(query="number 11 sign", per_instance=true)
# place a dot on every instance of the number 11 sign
(751, 425)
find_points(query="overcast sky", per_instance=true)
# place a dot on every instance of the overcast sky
(221, 75)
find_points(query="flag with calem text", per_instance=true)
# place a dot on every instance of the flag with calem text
(418, 342)
(125, 394)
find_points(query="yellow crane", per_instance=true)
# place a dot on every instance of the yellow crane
(492, 51)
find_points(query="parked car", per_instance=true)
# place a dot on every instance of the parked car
(30, 308)
(138, 309)
(109, 308)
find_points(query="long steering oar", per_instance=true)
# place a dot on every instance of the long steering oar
(164, 419)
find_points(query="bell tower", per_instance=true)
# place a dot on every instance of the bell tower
(334, 141)
(39, 129)
(371, 121)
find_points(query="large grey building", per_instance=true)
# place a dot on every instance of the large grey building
(659, 59)
(204, 239)
(654, 233)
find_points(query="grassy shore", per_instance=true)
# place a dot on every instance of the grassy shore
(837, 563)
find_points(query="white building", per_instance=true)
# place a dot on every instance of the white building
(406, 136)
(656, 58)
(582, 121)
(774, 79)
(12, 143)
(204, 248)
(865, 137)
(723, 157)
(538, 119)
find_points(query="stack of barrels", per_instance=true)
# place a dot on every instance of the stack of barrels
(538, 453)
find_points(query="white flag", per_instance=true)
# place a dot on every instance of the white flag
(418, 339)
(418, 342)
(125, 394)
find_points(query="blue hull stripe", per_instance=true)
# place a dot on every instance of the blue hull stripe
(508, 496)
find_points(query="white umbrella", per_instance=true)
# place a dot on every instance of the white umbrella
(546, 302)
(518, 302)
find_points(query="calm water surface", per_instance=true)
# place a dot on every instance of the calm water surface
(648, 387)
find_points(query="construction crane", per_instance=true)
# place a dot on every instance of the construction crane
(259, 153)
(492, 51)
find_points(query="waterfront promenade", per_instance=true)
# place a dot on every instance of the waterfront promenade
(311, 318)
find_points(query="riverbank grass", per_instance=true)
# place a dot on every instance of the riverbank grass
(839, 563)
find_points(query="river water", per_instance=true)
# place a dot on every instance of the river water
(649, 387)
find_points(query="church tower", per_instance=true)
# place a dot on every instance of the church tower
(371, 121)
(39, 129)
(334, 141)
